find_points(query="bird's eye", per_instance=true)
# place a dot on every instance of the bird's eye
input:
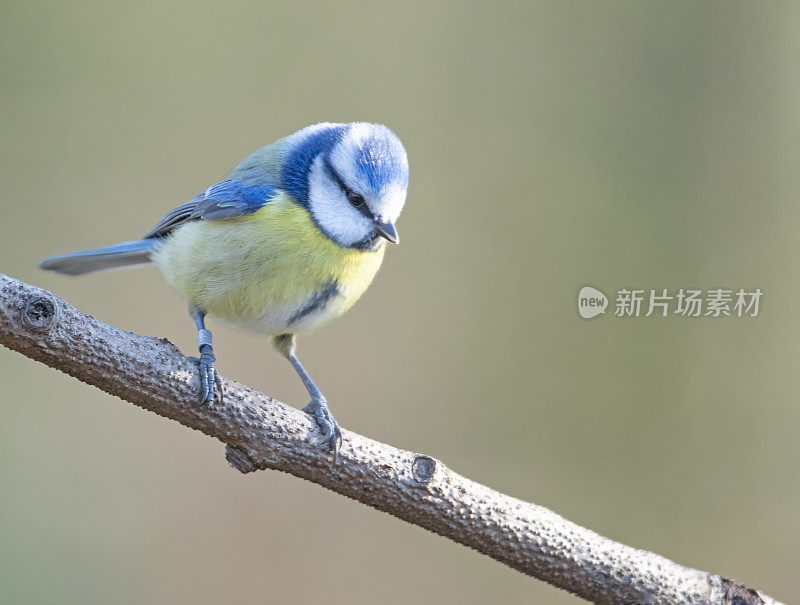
(355, 200)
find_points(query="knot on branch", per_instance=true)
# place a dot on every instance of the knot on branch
(423, 469)
(41, 313)
(239, 460)
(737, 594)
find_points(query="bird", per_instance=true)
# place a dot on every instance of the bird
(285, 244)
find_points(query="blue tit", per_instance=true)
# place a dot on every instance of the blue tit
(286, 244)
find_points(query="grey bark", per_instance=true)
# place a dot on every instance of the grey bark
(262, 433)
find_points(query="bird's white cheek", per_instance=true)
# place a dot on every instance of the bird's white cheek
(332, 211)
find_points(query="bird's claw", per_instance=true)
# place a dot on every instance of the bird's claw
(210, 380)
(331, 433)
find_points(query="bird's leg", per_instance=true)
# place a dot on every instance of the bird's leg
(318, 407)
(209, 377)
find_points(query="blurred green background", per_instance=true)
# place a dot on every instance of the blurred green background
(552, 144)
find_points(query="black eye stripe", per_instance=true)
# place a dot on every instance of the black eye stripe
(336, 177)
(362, 208)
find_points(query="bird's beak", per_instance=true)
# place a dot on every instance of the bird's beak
(387, 231)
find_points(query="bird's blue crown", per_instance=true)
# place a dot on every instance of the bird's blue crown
(378, 159)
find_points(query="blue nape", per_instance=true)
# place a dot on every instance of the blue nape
(297, 164)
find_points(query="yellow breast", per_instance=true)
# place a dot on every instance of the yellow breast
(271, 271)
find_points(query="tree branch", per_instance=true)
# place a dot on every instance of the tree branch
(262, 433)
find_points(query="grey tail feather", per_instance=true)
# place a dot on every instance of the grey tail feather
(110, 257)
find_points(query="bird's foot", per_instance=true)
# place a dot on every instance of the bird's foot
(210, 381)
(331, 433)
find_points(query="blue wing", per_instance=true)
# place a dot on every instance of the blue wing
(226, 199)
